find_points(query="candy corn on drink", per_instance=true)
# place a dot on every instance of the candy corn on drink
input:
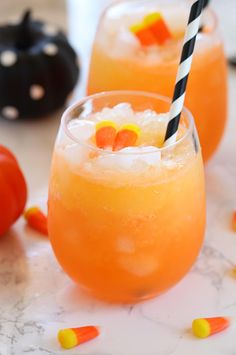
(138, 46)
(126, 215)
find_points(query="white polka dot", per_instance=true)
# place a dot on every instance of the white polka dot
(36, 92)
(8, 58)
(50, 49)
(10, 112)
(50, 30)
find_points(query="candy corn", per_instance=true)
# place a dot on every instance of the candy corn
(144, 35)
(234, 221)
(158, 27)
(152, 30)
(108, 137)
(71, 337)
(105, 134)
(36, 220)
(205, 327)
(126, 137)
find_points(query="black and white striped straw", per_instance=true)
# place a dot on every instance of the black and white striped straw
(183, 71)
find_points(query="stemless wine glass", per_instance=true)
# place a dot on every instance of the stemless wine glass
(125, 225)
(120, 62)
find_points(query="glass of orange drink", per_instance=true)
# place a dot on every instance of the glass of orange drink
(121, 62)
(126, 218)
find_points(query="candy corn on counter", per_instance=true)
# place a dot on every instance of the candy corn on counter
(138, 46)
(126, 215)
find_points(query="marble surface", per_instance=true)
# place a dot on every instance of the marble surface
(37, 298)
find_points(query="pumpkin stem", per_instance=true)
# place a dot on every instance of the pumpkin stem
(24, 36)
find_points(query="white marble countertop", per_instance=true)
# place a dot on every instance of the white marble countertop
(37, 298)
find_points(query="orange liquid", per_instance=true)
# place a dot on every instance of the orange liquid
(126, 241)
(206, 95)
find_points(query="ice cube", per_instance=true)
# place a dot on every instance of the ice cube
(82, 130)
(120, 114)
(106, 114)
(124, 108)
(170, 164)
(149, 155)
(116, 161)
(130, 158)
(76, 154)
(124, 43)
(153, 127)
(152, 155)
(124, 113)
(149, 117)
(176, 17)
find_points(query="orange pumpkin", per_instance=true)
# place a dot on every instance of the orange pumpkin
(13, 190)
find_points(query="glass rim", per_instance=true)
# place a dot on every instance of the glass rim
(66, 118)
(208, 10)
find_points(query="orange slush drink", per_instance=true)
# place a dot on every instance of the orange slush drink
(126, 224)
(120, 61)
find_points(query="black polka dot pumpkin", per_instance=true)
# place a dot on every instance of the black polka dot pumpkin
(38, 69)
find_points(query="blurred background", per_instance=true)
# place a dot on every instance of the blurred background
(32, 141)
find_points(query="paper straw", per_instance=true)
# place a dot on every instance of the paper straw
(183, 71)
